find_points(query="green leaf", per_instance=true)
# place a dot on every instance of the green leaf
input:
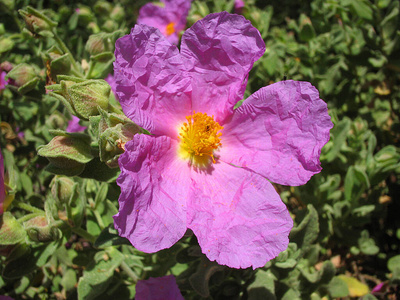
(263, 286)
(337, 288)
(11, 231)
(366, 244)
(356, 288)
(339, 134)
(393, 263)
(307, 231)
(98, 274)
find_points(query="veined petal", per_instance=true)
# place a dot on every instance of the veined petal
(219, 52)
(237, 217)
(152, 84)
(279, 132)
(154, 188)
(160, 288)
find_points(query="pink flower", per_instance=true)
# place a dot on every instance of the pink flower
(206, 165)
(170, 19)
(239, 4)
(161, 288)
(111, 81)
(3, 81)
(74, 126)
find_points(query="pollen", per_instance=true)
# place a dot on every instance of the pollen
(170, 29)
(199, 138)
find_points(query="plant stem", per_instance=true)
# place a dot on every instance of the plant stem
(71, 57)
(83, 233)
(129, 272)
(28, 207)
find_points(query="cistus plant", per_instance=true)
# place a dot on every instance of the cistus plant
(199, 149)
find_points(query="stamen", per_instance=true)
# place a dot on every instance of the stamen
(170, 29)
(199, 137)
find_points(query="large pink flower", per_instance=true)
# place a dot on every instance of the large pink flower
(170, 18)
(160, 288)
(206, 165)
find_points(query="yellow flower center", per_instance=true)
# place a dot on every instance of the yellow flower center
(199, 138)
(170, 29)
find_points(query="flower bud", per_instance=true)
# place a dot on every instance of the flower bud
(67, 152)
(109, 26)
(85, 15)
(62, 189)
(37, 23)
(8, 3)
(113, 132)
(57, 62)
(24, 77)
(6, 44)
(82, 97)
(96, 43)
(102, 7)
(39, 230)
(118, 13)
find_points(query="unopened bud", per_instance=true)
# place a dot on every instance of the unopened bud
(113, 132)
(67, 152)
(82, 97)
(37, 22)
(24, 77)
(39, 230)
(118, 13)
(57, 62)
(96, 44)
(62, 189)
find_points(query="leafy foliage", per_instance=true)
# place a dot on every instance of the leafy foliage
(58, 240)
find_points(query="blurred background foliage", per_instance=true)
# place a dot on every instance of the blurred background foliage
(58, 237)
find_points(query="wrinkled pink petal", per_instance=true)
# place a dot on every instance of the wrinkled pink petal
(74, 126)
(173, 11)
(154, 189)
(237, 217)
(111, 81)
(278, 132)
(219, 52)
(2, 187)
(160, 288)
(152, 84)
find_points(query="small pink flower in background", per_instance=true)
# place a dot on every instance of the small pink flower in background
(161, 288)
(3, 81)
(6, 298)
(170, 18)
(239, 4)
(74, 126)
(205, 166)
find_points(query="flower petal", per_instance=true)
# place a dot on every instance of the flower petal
(154, 189)
(152, 84)
(279, 132)
(160, 288)
(237, 217)
(220, 51)
(174, 12)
